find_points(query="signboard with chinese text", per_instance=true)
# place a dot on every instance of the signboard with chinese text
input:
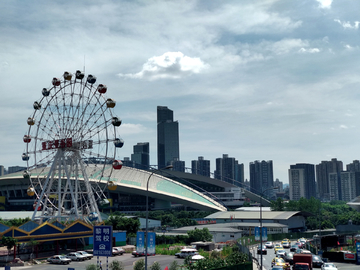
(151, 243)
(102, 241)
(140, 240)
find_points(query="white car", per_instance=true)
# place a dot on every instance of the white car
(120, 251)
(269, 244)
(60, 259)
(76, 256)
(87, 255)
(328, 266)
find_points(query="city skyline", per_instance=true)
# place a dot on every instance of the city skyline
(257, 80)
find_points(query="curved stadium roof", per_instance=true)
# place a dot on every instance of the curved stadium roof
(131, 180)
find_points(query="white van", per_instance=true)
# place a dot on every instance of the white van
(187, 252)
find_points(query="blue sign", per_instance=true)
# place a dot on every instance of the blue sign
(151, 243)
(102, 241)
(140, 242)
(7, 267)
(264, 233)
(357, 252)
(257, 233)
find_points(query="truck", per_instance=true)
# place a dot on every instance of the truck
(302, 261)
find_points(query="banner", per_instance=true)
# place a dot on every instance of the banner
(358, 252)
(264, 234)
(151, 243)
(140, 238)
(257, 233)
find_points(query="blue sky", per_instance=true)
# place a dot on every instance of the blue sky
(257, 80)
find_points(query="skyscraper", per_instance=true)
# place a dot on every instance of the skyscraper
(200, 166)
(308, 185)
(167, 137)
(261, 177)
(322, 176)
(141, 156)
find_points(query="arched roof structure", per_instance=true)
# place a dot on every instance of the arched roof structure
(134, 181)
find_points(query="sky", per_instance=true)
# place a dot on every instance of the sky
(255, 79)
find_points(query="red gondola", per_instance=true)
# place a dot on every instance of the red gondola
(102, 88)
(27, 138)
(117, 164)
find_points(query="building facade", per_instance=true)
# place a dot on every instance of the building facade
(167, 137)
(323, 171)
(296, 183)
(262, 177)
(201, 167)
(308, 182)
(141, 155)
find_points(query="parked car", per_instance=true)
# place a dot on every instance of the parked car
(87, 255)
(317, 261)
(185, 252)
(261, 249)
(59, 259)
(120, 251)
(328, 266)
(269, 244)
(137, 254)
(75, 256)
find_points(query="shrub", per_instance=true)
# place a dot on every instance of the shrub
(139, 264)
(155, 266)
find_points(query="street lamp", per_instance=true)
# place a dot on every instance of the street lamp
(261, 258)
(147, 209)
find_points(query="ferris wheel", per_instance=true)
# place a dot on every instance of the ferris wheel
(71, 148)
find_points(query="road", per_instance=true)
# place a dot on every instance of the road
(127, 259)
(271, 254)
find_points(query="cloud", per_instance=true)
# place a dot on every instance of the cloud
(170, 65)
(343, 127)
(348, 25)
(325, 3)
(131, 129)
(310, 50)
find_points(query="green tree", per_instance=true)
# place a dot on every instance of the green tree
(9, 242)
(277, 205)
(92, 267)
(139, 265)
(116, 265)
(174, 265)
(155, 266)
(199, 235)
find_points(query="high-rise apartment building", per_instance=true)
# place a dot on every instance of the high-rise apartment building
(167, 137)
(355, 168)
(141, 155)
(323, 171)
(348, 186)
(178, 165)
(309, 184)
(296, 183)
(279, 184)
(200, 166)
(128, 163)
(229, 170)
(262, 178)
(2, 170)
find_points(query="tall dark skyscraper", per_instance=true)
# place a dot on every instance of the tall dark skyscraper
(201, 166)
(261, 177)
(167, 137)
(309, 184)
(141, 156)
(322, 176)
(229, 170)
